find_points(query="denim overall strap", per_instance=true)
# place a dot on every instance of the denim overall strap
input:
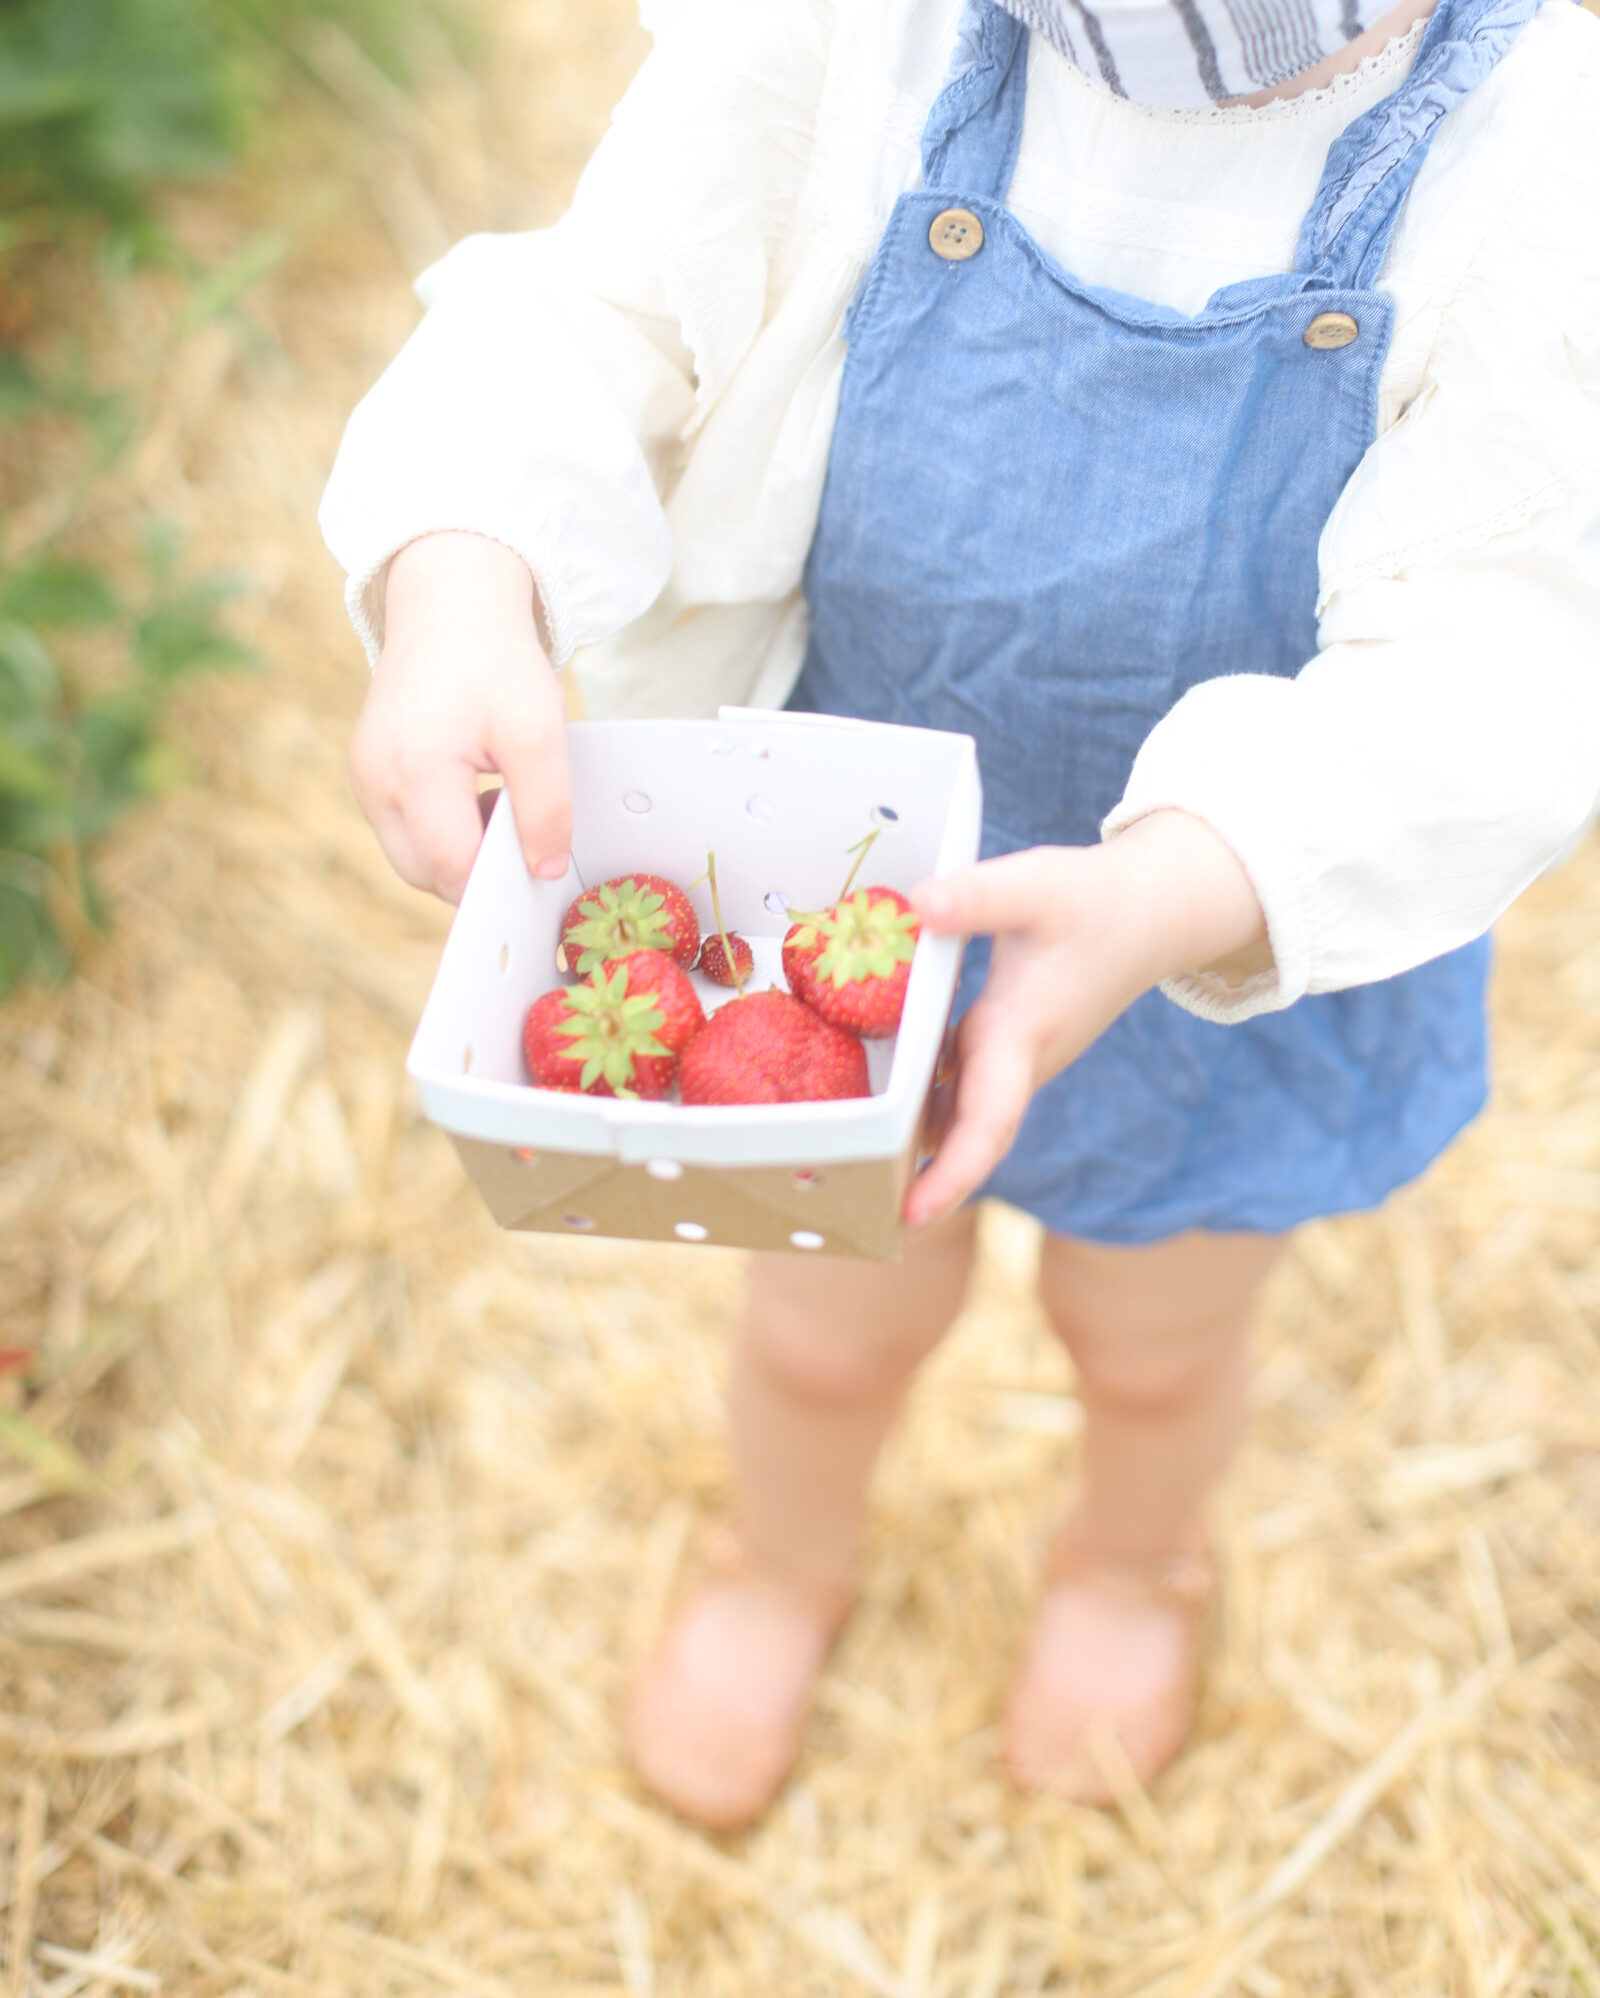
(1373, 162)
(974, 131)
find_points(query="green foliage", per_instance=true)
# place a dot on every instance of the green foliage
(85, 675)
(103, 101)
(102, 104)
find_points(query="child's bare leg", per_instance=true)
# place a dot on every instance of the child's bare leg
(1160, 1340)
(822, 1362)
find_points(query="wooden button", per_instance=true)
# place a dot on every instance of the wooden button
(956, 235)
(1331, 329)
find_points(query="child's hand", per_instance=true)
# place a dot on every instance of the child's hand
(463, 686)
(1079, 934)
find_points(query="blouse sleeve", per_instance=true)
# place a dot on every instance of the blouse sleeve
(1444, 744)
(546, 396)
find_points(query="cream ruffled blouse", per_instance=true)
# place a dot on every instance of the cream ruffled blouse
(640, 401)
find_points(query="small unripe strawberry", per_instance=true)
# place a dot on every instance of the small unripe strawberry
(852, 962)
(628, 913)
(618, 1034)
(714, 958)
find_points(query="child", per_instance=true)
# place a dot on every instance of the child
(1214, 434)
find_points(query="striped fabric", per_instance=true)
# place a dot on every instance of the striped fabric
(1177, 54)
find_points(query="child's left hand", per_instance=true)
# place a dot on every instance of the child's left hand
(1079, 934)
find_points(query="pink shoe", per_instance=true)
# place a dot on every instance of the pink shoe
(1115, 1646)
(714, 1721)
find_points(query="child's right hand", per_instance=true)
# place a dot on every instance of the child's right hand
(462, 687)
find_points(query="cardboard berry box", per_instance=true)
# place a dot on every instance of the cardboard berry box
(780, 799)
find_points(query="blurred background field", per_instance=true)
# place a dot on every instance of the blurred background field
(331, 1520)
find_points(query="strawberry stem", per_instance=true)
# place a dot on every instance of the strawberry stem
(716, 909)
(861, 849)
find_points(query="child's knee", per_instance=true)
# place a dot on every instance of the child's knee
(1148, 1331)
(818, 1359)
(850, 1332)
(1145, 1377)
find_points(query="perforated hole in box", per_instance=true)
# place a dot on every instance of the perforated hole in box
(690, 1231)
(776, 903)
(505, 959)
(805, 1238)
(637, 802)
(522, 1155)
(466, 1061)
(577, 1222)
(806, 1180)
(885, 815)
(759, 807)
(664, 1169)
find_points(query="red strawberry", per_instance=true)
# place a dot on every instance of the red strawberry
(618, 1035)
(851, 963)
(628, 913)
(714, 958)
(769, 1048)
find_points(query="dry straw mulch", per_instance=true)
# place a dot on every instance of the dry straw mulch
(309, 1676)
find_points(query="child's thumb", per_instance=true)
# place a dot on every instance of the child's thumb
(1007, 894)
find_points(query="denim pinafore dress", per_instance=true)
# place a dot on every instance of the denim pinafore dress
(1050, 510)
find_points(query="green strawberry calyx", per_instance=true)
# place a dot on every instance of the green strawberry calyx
(861, 938)
(609, 1027)
(618, 919)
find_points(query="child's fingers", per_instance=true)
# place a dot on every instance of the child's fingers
(395, 840)
(993, 1091)
(439, 832)
(413, 849)
(530, 752)
(422, 812)
(1012, 893)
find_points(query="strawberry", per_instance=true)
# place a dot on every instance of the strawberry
(851, 963)
(714, 959)
(628, 913)
(618, 1035)
(768, 1048)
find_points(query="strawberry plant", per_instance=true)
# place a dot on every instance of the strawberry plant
(103, 104)
(86, 671)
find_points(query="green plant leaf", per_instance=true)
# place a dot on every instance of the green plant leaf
(21, 392)
(35, 96)
(24, 773)
(29, 681)
(23, 923)
(58, 593)
(160, 767)
(185, 636)
(113, 733)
